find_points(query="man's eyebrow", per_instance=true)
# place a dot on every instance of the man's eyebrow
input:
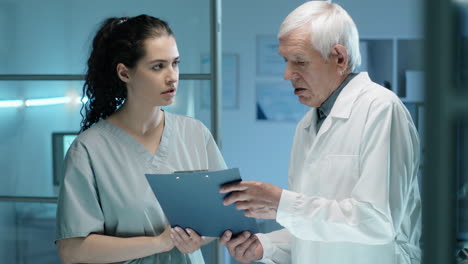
(298, 55)
(295, 56)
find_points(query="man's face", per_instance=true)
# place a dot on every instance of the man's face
(313, 78)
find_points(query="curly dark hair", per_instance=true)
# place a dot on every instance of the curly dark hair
(119, 40)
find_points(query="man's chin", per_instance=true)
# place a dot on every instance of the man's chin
(307, 102)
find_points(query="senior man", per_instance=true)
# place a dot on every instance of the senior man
(353, 193)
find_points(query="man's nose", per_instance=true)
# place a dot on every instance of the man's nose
(288, 73)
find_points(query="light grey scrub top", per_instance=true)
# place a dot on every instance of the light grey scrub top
(105, 191)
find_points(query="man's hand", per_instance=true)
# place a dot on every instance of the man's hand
(187, 241)
(244, 248)
(257, 199)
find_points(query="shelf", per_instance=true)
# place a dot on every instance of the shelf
(389, 62)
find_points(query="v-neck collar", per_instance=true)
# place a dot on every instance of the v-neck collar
(163, 149)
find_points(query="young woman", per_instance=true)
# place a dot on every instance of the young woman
(107, 211)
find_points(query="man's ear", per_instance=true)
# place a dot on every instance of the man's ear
(123, 72)
(340, 57)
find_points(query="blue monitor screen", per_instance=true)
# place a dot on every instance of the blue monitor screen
(61, 141)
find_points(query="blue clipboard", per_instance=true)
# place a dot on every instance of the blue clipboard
(192, 200)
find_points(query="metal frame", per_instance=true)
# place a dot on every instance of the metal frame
(444, 105)
(80, 77)
(28, 199)
(216, 70)
(216, 88)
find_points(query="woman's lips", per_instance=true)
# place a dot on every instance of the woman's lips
(170, 91)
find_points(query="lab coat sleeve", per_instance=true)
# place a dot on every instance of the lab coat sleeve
(78, 211)
(388, 158)
(276, 247)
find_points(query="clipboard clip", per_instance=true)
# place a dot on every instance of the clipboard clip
(188, 171)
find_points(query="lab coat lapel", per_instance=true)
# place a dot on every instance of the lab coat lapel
(342, 107)
(309, 128)
(324, 128)
(345, 101)
(327, 123)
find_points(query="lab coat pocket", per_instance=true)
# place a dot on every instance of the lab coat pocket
(340, 175)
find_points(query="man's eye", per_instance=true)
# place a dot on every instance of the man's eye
(301, 63)
(176, 63)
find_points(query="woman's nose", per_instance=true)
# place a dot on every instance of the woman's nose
(172, 75)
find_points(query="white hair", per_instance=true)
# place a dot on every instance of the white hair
(329, 25)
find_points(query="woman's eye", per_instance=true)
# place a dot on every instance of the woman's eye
(158, 66)
(176, 63)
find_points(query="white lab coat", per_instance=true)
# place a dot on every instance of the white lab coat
(353, 191)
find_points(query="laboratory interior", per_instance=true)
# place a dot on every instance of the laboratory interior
(231, 79)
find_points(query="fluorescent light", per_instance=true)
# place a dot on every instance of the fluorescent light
(11, 103)
(78, 100)
(42, 101)
(47, 101)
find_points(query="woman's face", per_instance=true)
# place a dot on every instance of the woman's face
(154, 79)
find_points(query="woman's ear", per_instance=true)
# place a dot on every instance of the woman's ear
(123, 72)
(341, 58)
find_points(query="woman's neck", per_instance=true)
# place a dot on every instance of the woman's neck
(138, 121)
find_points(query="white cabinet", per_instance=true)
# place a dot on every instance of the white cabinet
(389, 60)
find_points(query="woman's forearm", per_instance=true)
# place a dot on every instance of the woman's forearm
(107, 249)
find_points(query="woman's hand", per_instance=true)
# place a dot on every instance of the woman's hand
(187, 241)
(164, 242)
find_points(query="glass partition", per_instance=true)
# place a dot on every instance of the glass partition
(28, 233)
(462, 137)
(44, 49)
(462, 189)
(445, 214)
(54, 36)
(48, 108)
